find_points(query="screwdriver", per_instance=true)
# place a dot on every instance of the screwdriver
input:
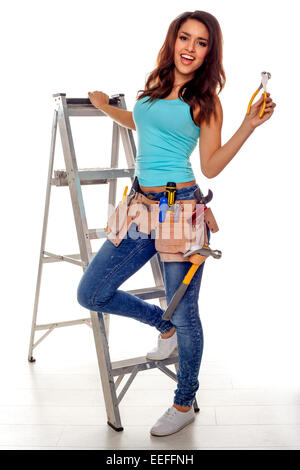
(170, 193)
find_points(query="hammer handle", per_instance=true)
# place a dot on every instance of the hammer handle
(197, 259)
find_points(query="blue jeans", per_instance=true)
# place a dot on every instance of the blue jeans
(99, 291)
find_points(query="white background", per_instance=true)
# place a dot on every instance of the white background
(248, 301)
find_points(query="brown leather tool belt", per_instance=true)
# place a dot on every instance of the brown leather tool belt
(179, 231)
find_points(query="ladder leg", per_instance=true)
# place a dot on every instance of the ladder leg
(106, 321)
(195, 405)
(112, 194)
(114, 163)
(43, 241)
(107, 379)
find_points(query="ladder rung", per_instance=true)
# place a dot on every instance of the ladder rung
(127, 365)
(93, 175)
(97, 233)
(86, 101)
(53, 258)
(83, 106)
(61, 324)
(149, 292)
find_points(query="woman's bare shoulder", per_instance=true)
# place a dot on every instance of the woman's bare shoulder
(218, 104)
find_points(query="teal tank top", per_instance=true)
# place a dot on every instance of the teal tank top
(166, 137)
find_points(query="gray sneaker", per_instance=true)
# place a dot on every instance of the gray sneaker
(172, 421)
(165, 347)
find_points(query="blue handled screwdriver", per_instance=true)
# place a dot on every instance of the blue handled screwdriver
(163, 206)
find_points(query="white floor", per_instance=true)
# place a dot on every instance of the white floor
(57, 402)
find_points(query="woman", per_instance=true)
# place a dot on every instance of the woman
(179, 99)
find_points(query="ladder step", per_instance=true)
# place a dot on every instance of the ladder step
(86, 101)
(83, 106)
(127, 365)
(93, 175)
(52, 257)
(97, 233)
(149, 292)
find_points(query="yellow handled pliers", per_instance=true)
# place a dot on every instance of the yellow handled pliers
(265, 76)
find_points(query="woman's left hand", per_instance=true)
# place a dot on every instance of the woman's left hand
(253, 119)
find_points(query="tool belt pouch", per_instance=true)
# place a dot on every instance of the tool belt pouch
(122, 218)
(179, 232)
(210, 220)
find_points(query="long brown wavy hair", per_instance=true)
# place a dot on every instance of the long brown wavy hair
(202, 88)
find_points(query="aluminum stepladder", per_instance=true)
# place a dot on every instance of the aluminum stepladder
(74, 178)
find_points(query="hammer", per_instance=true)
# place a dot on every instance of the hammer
(196, 256)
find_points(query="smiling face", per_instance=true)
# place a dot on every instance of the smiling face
(192, 40)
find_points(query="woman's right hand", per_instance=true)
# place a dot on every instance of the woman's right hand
(98, 98)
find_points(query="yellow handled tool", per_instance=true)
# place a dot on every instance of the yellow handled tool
(124, 194)
(197, 257)
(265, 76)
